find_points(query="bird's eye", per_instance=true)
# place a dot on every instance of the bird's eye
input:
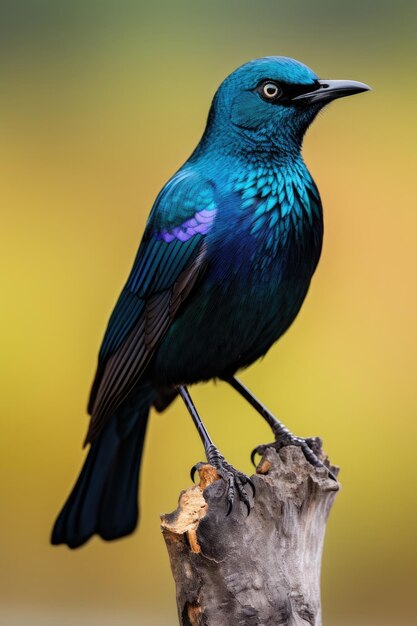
(270, 91)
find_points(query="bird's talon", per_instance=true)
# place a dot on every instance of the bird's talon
(235, 480)
(252, 486)
(310, 446)
(192, 472)
(331, 475)
(240, 481)
(258, 450)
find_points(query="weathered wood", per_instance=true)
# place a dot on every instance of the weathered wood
(256, 570)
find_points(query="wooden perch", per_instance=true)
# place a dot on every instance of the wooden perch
(256, 570)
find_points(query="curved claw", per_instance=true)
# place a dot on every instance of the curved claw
(252, 456)
(252, 486)
(241, 481)
(321, 464)
(331, 475)
(229, 508)
(192, 472)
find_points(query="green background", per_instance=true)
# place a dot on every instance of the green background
(100, 102)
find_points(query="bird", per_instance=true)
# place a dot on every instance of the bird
(226, 259)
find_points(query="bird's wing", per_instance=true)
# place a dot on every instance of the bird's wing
(169, 261)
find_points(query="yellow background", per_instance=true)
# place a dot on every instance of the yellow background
(100, 102)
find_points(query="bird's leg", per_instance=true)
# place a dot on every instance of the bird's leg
(311, 446)
(233, 478)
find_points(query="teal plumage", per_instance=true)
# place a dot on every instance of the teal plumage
(225, 263)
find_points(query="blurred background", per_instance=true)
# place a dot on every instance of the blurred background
(100, 103)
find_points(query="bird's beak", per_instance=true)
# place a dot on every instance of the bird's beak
(327, 90)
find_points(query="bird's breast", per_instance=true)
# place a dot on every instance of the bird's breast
(269, 221)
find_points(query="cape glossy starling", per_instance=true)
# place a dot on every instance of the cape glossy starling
(224, 265)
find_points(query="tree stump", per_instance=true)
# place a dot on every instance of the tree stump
(256, 570)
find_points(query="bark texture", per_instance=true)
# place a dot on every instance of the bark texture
(256, 570)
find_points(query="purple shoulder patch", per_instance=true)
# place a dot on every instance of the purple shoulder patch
(199, 224)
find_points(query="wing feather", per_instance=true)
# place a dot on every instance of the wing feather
(166, 269)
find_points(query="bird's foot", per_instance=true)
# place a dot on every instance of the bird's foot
(311, 447)
(235, 481)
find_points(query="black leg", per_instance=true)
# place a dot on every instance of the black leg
(283, 437)
(278, 429)
(234, 478)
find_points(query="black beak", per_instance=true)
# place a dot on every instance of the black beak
(327, 90)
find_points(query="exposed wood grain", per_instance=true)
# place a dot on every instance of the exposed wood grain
(261, 570)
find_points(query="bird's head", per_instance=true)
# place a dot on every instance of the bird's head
(271, 102)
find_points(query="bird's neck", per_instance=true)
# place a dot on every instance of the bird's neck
(221, 144)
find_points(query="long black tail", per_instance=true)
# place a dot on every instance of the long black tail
(104, 500)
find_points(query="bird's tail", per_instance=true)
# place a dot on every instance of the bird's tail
(104, 500)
